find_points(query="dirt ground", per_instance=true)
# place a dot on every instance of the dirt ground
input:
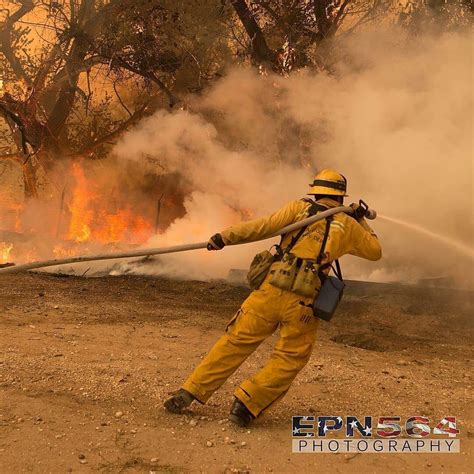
(85, 365)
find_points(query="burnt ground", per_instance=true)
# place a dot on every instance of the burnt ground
(85, 365)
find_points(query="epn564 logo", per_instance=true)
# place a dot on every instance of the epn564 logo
(383, 434)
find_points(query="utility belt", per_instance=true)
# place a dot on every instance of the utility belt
(305, 277)
(295, 274)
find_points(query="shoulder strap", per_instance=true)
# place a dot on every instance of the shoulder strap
(336, 270)
(320, 257)
(314, 209)
(294, 239)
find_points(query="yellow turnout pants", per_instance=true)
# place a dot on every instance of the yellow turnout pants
(259, 316)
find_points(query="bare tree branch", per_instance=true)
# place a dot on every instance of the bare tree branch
(261, 52)
(89, 25)
(172, 99)
(120, 99)
(106, 139)
(322, 19)
(14, 121)
(6, 39)
(70, 72)
(341, 14)
(367, 15)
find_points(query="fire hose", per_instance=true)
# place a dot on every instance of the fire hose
(368, 213)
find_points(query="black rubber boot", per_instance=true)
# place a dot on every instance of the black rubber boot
(179, 401)
(239, 414)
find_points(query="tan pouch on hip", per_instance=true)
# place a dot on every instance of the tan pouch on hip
(284, 272)
(259, 269)
(307, 279)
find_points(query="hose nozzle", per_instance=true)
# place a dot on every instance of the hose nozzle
(370, 214)
(364, 211)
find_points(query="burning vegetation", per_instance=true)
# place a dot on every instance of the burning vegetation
(92, 211)
(90, 220)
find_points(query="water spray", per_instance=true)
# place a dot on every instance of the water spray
(369, 213)
(459, 246)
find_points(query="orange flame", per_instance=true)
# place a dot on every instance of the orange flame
(81, 216)
(90, 219)
(5, 250)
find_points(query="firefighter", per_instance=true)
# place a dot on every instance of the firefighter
(270, 306)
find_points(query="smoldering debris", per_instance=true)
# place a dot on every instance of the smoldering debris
(395, 120)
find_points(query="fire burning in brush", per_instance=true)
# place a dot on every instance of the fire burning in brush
(5, 250)
(97, 209)
(90, 220)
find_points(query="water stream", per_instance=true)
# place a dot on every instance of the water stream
(455, 244)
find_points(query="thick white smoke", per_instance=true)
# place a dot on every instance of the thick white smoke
(395, 119)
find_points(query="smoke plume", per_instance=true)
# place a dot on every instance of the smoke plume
(394, 117)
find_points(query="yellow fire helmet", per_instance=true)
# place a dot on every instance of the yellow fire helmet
(329, 182)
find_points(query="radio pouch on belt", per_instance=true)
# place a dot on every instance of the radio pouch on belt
(332, 287)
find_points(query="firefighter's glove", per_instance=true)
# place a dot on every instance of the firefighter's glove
(216, 242)
(359, 211)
